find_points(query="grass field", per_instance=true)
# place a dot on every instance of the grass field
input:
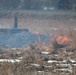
(46, 22)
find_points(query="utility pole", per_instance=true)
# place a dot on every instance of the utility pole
(16, 20)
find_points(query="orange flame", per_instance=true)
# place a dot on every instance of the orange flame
(45, 47)
(62, 39)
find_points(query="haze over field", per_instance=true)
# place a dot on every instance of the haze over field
(38, 25)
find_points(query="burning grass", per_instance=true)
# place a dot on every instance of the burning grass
(55, 41)
(58, 58)
(34, 58)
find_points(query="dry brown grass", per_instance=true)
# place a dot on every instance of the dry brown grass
(26, 69)
(72, 39)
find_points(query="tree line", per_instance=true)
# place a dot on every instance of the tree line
(37, 4)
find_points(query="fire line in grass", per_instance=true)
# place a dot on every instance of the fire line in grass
(54, 40)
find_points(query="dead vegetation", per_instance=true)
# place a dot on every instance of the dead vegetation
(35, 62)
